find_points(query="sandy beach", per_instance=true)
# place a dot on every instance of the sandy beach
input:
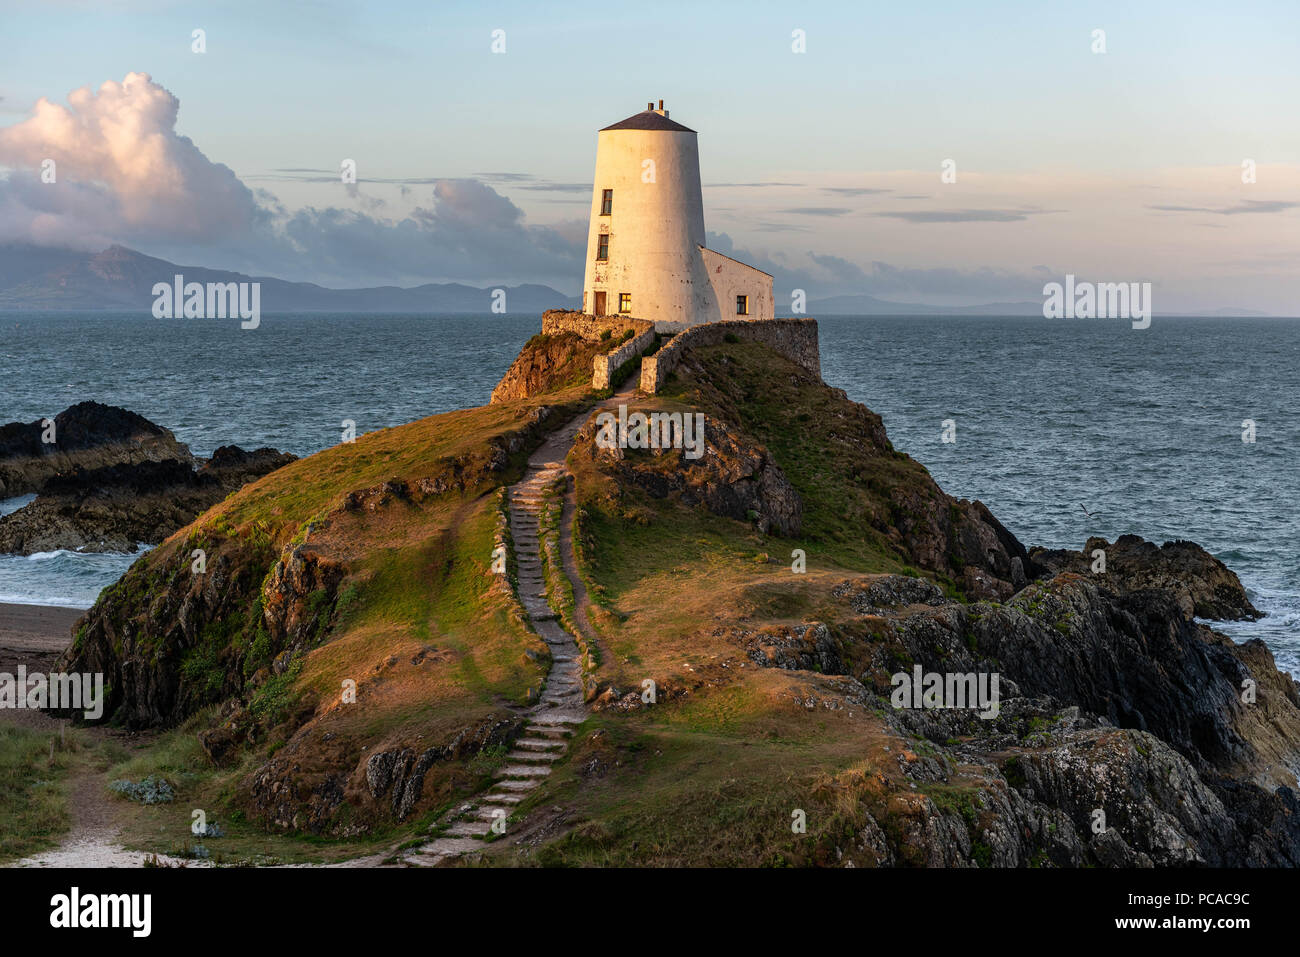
(34, 634)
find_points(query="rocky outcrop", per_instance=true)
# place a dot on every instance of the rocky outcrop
(298, 597)
(233, 467)
(162, 635)
(115, 508)
(86, 436)
(872, 596)
(1200, 583)
(1128, 659)
(1127, 734)
(735, 477)
(549, 362)
(399, 774)
(836, 449)
(1088, 796)
(386, 785)
(806, 647)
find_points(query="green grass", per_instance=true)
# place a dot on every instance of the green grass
(709, 774)
(275, 698)
(621, 550)
(175, 755)
(33, 803)
(309, 487)
(852, 491)
(684, 793)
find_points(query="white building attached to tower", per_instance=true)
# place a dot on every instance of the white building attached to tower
(645, 249)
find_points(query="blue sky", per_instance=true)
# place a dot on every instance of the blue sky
(1123, 165)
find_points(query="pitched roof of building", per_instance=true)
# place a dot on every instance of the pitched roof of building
(650, 120)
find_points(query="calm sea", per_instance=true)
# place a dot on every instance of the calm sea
(1064, 429)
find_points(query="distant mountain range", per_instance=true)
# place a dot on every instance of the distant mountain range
(118, 279)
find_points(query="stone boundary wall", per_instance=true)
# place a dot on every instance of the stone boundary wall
(604, 367)
(796, 339)
(557, 321)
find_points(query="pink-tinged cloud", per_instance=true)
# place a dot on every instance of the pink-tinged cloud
(124, 175)
(121, 173)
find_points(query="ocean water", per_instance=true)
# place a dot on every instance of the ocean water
(1065, 429)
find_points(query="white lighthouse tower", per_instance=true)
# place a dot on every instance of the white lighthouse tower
(645, 248)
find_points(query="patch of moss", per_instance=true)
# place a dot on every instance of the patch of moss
(277, 696)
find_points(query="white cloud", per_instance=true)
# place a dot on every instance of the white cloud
(122, 173)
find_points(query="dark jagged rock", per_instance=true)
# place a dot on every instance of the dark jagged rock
(1113, 699)
(232, 466)
(805, 647)
(88, 435)
(120, 506)
(869, 596)
(1129, 660)
(1200, 583)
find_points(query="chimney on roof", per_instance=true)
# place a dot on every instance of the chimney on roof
(650, 106)
(661, 111)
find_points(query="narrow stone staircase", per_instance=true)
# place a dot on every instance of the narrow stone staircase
(560, 707)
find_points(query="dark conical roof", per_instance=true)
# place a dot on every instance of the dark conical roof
(650, 120)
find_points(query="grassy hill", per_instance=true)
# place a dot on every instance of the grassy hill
(770, 738)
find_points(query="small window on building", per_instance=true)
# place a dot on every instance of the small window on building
(602, 247)
(742, 305)
(606, 202)
(624, 302)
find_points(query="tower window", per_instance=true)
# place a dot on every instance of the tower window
(742, 305)
(624, 302)
(606, 202)
(602, 247)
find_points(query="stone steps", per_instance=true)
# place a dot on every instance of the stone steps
(551, 732)
(522, 771)
(468, 829)
(440, 849)
(556, 720)
(539, 756)
(545, 739)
